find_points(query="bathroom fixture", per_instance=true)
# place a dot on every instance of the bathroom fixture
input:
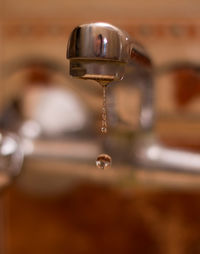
(66, 156)
(100, 51)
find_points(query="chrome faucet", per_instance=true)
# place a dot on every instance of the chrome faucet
(100, 51)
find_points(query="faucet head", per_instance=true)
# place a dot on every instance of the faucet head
(98, 51)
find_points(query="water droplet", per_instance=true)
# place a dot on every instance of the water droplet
(103, 161)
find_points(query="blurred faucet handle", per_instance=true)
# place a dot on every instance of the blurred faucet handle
(11, 157)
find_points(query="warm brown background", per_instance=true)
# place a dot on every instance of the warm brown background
(98, 219)
(94, 218)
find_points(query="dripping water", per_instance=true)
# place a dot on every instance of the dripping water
(104, 128)
(104, 161)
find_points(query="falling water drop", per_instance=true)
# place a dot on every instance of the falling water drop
(103, 161)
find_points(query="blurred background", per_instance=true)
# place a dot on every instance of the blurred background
(59, 203)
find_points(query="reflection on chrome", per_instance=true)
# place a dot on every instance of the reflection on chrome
(152, 154)
(9, 146)
(11, 158)
(11, 154)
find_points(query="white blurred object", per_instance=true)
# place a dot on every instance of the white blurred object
(55, 110)
(30, 129)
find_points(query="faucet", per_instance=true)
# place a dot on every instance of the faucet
(100, 51)
(96, 51)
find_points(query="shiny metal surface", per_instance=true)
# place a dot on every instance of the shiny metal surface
(150, 153)
(106, 44)
(11, 158)
(93, 41)
(100, 51)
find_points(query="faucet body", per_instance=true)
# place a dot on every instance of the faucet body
(100, 51)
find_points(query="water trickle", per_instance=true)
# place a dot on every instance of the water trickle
(104, 112)
(103, 161)
(104, 84)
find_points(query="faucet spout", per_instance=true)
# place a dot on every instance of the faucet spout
(100, 51)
